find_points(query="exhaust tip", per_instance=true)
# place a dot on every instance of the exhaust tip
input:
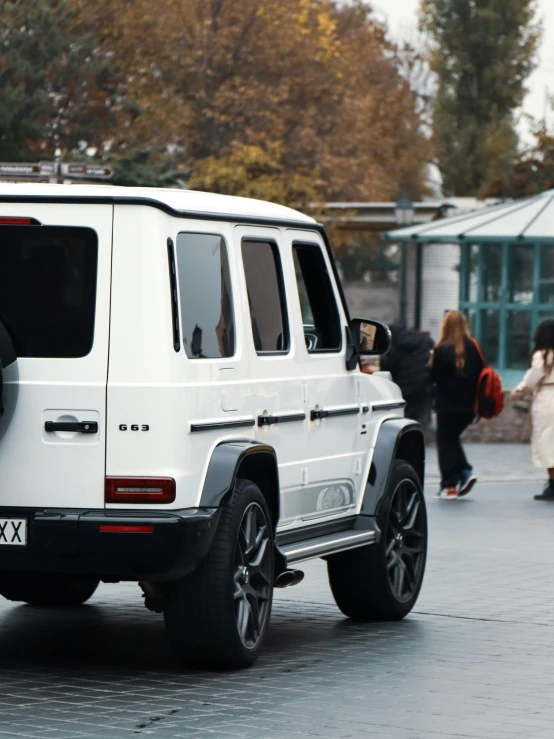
(288, 578)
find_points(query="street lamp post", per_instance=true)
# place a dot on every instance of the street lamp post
(404, 216)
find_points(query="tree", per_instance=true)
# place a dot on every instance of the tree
(56, 88)
(144, 167)
(298, 101)
(24, 102)
(289, 100)
(531, 174)
(482, 52)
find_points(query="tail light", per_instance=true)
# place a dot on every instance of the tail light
(17, 221)
(140, 490)
(109, 529)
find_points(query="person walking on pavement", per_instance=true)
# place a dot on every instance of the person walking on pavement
(408, 363)
(455, 370)
(539, 381)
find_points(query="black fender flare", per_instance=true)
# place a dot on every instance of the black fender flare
(244, 458)
(398, 438)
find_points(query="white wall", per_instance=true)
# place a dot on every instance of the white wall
(440, 286)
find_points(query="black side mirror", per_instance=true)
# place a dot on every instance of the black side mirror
(372, 338)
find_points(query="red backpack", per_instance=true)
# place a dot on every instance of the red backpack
(489, 399)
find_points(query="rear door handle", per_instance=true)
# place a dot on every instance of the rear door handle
(318, 413)
(82, 427)
(269, 420)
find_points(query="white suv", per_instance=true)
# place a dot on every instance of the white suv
(183, 406)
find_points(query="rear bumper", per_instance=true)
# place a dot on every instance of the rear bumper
(72, 541)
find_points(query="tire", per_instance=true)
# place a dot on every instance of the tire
(47, 590)
(210, 615)
(382, 582)
(8, 371)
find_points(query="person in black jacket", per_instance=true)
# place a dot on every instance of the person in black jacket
(455, 371)
(408, 363)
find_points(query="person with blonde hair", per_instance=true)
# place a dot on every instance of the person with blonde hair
(455, 369)
(539, 383)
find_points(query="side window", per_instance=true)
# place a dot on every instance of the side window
(264, 282)
(205, 295)
(320, 315)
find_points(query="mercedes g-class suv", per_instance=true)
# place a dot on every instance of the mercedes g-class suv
(183, 406)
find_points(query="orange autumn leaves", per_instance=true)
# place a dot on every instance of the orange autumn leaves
(292, 100)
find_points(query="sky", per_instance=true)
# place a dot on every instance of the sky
(401, 18)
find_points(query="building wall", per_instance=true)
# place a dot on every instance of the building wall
(372, 300)
(440, 285)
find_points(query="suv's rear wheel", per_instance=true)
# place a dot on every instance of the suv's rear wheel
(47, 590)
(219, 614)
(382, 582)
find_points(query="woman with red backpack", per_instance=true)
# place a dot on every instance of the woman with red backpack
(539, 382)
(456, 368)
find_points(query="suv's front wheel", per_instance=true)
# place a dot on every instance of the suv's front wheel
(382, 582)
(219, 614)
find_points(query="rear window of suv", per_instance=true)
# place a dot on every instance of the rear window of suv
(48, 289)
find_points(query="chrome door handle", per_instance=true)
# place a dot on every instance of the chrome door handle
(82, 427)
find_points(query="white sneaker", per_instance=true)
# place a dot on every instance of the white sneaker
(449, 493)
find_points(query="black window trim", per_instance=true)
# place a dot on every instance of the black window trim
(282, 293)
(222, 237)
(176, 321)
(322, 352)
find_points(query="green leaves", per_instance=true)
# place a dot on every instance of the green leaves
(482, 52)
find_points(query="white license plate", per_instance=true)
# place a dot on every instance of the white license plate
(13, 532)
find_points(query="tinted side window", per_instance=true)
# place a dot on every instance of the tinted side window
(206, 297)
(320, 315)
(48, 289)
(262, 268)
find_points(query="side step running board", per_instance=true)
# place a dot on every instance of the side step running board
(324, 545)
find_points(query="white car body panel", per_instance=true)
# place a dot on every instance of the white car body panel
(145, 396)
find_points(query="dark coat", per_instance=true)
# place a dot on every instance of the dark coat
(408, 362)
(455, 389)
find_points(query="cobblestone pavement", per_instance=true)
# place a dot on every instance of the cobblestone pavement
(492, 463)
(473, 660)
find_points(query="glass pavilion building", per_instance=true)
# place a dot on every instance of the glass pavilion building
(505, 273)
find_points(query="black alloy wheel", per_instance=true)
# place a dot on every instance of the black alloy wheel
(381, 582)
(218, 615)
(253, 576)
(405, 540)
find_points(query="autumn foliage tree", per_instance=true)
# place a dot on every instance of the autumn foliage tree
(57, 87)
(296, 101)
(531, 173)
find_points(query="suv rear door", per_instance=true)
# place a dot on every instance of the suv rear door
(55, 263)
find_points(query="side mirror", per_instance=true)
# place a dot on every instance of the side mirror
(372, 338)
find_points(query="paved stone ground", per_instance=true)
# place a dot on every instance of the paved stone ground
(475, 658)
(492, 463)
